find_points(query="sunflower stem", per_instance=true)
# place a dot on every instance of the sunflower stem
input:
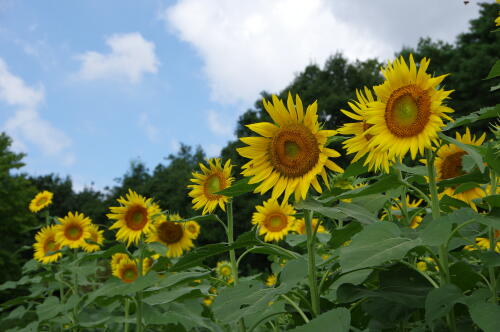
(139, 293)
(403, 197)
(493, 240)
(313, 287)
(296, 307)
(125, 323)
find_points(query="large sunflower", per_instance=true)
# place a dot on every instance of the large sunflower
(46, 244)
(126, 270)
(300, 226)
(359, 144)
(134, 217)
(448, 165)
(172, 234)
(96, 236)
(213, 179)
(41, 200)
(73, 230)
(274, 220)
(409, 111)
(292, 151)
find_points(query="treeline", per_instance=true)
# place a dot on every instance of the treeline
(468, 61)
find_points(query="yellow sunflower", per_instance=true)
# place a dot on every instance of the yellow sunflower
(126, 270)
(172, 234)
(73, 230)
(409, 111)
(116, 259)
(224, 270)
(147, 263)
(213, 179)
(134, 217)
(45, 244)
(292, 151)
(271, 280)
(416, 220)
(96, 236)
(193, 229)
(41, 200)
(448, 165)
(483, 243)
(274, 220)
(300, 226)
(359, 144)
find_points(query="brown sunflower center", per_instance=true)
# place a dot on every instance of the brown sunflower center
(214, 183)
(73, 232)
(41, 201)
(192, 229)
(51, 245)
(294, 151)
(276, 222)
(129, 274)
(136, 217)
(407, 111)
(452, 165)
(367, 126)
(170, 232)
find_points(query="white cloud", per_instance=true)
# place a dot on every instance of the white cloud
(26, 125)
(130, 58)
(212, 150)
(151, 130)
(219, 126)
(250, 46)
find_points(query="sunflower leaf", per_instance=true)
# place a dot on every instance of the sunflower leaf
(470, 149)
(238, 188)
(335, 320)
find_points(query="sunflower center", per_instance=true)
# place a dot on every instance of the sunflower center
(136, 217)
(213, 184)
(41, 201)
(452, 165)
(192, 229)
(294, 151)
(276, 222)
(73, 232)
(225, 271)
(51, 245)
(170, 232)
(407, 111)
(130, 274)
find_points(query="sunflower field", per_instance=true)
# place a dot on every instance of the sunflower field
(406, 237)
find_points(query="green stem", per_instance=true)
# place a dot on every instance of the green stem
(127, 305)
(403, 197)
(293, 304)
(313, 287)
(75, 291)
(493, 240)
(139, 293)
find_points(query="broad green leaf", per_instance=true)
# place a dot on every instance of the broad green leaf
(23, 281)
(50, 308)
(483, 113)
(491, 157)
(169, 295)
(474, 176)
(175, 313)
(381, 184)
(342, 235)
(238, 188)
(495, 71)
(172, 279)
(355, 169)
(418, 170)
(440, 300)
(493, 200)
(490, 258)
(465, 186)
(486, 316)
(339, 212)
(196, 256)
(353, 277)
(336, 320)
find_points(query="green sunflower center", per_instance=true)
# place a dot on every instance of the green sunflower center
(41, 201)
(452, 166)
(276, 222)
(407, 111)
(213, 184)
(51, 245)
(130, 274)
(170, 232)
(136, 217)
(294, 151)
(73, 232)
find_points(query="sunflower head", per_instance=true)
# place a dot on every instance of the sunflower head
(126, 270)
(291, 152)
(213, 179)
(46, 245)
(96, 236)
(271, 280)
(224, 270)
(274, 220)
(73, 230)
(41, 200)
(300, 226)
(172, 234)
(116, 259)
(192, 228)
(409, 110)
(134, 217)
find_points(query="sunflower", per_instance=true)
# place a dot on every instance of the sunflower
(483, 243)
(448, 165)
(96, 236)
(73, 230)
(126, 270)
(274, 220)
(134, 217)
(359, 144)
(271, 280)
(213, 179)
(416, 220)
(172, 234)
(409, 112)
(41, 200)
(300, 226)
(116, 259)
(224, 271)
(193, 229)
(147, 263)
(45, 244)
(291, 152)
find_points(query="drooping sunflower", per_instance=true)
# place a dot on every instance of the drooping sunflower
(46, 244)
(271, 280)
(126, 270)
(73, 230)
(448, 165)
(300, 226)
(193, 229)
(134, 217)
(41, 200)
(224, 271)
(96, 236)
(274, 220)
(359, 144)
(116, 259)
(172, 234)
(213, 179)
(292, 151)
(409, 110)
(411, 204)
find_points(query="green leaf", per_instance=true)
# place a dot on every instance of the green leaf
(483, 113)
(355, 169)
(195, 257)
(238, 188)
(342, 235)
(176, 313)
(465, 186)
(470, 149)
(418, 170)
(474, 176)
(440, 300)
(495, 71)
(375, 245)
(339, 212)
(491, 157)
(353, 277)
(169, 295)
(381, 184)
(490, 258)
(336, 320)
(486, 316)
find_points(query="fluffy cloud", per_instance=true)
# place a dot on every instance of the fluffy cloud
(250, 46)
(26, 125)
(218, 126)
(130, 58)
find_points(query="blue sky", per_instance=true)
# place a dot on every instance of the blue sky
(87, 86)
